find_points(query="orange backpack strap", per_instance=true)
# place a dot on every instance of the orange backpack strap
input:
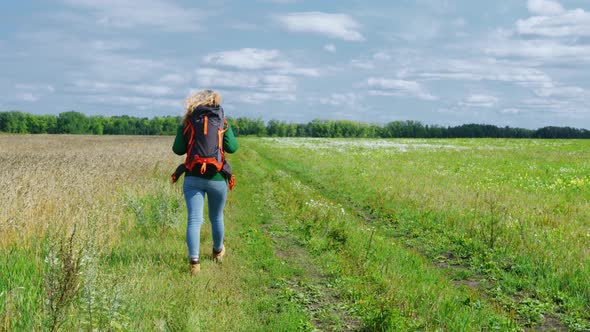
(181, 169)
(232, 182)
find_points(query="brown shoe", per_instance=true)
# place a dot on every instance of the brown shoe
(195, 267)
(218, 256)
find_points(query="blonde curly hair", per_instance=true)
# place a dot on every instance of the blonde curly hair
(200, 98)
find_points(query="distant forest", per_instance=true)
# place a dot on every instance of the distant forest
(77, 123)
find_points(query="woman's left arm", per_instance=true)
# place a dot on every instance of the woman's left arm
(230, 143)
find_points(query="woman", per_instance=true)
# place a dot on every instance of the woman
(198, 184)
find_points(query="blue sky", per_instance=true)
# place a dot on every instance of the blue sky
(509, 62)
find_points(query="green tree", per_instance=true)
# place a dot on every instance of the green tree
(72, 123)
(96, 125)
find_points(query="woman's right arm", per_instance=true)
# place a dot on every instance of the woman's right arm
(180, 145)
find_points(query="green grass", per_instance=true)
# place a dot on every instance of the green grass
(510, 215)
(455, 235)
(20, 289)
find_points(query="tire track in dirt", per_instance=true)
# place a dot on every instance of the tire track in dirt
(312, 289)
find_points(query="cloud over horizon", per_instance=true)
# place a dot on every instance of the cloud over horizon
(339, 26)
(295, 60)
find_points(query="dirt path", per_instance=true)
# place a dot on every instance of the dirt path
(311, 289)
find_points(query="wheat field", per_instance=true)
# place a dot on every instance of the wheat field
(53, 182)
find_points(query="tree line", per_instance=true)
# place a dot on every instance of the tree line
(395, 129)
(77, 123)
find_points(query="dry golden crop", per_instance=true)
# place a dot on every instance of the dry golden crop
(60, 180)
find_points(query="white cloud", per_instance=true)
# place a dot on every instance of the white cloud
(88, 86)
(253, 75)
(543, 103)
(277, 83)
(133, 13)
(244, 26)
(94, 86)
(175, 79)
(545, 7)
(141, 103)
(125, 68)
(153, 90)
(459, 23)
(110, 45)
(340, 99)
(479, 100)
(369, 63)
(546, 50)
(420, 28)
(571, 23)
(437, 6)
(96, 59)
(330, 48)
(393, 87)
(552, 35)
(215, 78)
(247, 58)
(249, 87)
(38, 88)
(510, 111)
(497, 75)
(381, 56)
(257, 59)
(570, 92)
(339, 26)
(32, 92)
(260, 97)
(362, 64)
(311, 72)
(487, 69)
(27, 96)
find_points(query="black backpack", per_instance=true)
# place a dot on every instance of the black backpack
(204, 131)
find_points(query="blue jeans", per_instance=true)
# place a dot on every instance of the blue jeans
(195, 189)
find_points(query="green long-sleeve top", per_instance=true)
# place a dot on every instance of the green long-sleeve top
(180, 147)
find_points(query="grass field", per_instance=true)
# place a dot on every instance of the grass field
(322, 234)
